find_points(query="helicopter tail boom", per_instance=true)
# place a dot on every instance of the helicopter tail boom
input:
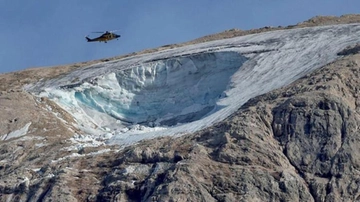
(88, 39)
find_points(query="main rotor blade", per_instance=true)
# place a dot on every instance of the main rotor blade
(114, 30)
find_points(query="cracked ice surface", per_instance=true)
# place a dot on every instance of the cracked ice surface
(162, 93)
(185, 89)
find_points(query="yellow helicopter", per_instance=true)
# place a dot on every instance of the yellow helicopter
(105, 37)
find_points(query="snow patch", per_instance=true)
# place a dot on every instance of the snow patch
(81, 141)
(74, 155)
(18, 133)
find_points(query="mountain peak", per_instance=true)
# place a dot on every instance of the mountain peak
(272, 109)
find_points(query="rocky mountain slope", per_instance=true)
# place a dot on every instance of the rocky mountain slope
(297, 143)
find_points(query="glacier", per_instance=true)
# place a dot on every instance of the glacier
(153, 94)
(182, 90)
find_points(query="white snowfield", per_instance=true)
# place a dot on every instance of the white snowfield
(182, 90)
(17, 133)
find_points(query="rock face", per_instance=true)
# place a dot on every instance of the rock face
(297, 143)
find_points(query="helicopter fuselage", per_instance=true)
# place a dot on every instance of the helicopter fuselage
(107, 36)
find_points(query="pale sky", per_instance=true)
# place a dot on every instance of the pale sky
(47, 33)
